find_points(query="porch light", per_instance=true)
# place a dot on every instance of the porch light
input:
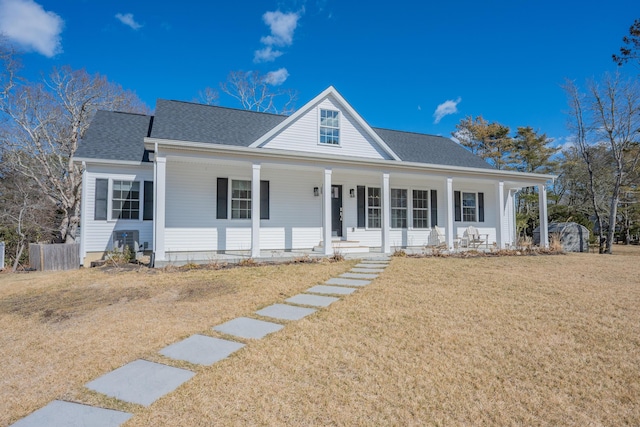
(352, 193)
(316, 191)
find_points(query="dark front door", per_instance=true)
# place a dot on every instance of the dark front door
(336, 210)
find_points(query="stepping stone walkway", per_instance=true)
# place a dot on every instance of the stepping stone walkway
(331, 290)
(59, 413)
(245, 327)
(201, 350)
(285, 312)
(140, 382)
(347, 282)
(314, 300)
(144, 382)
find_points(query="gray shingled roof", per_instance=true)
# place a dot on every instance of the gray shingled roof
(437, 150)
(120, 136)
(184, 121)
(114, 135)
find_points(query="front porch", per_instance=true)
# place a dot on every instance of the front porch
(225, 208)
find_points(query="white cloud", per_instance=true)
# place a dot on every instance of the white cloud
(266, 55)
(446, 108)
(282, 27)
(26, 23)
(276, 78)
(127, 19)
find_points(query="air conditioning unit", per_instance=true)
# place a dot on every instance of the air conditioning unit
(122, 238)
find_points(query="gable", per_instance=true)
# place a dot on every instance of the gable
(302, 133)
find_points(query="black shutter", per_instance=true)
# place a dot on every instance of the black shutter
(362, 202)
(102, 194)
(147, 214)
(264, 199)
(458, 205)
(221, 206)
(481, 207)
(434, 208)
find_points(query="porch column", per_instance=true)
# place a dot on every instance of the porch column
(500, 238)
(450, 233)
(544, 226)
(255, 211)
(386, 214)
(326, 213)
(160, 203)
(83, 216)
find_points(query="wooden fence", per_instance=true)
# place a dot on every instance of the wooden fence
(46, 257)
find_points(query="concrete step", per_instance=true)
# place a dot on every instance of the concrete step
(343, 247)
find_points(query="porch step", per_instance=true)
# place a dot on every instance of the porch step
(343, 247)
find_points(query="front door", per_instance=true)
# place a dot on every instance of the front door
(336, 210)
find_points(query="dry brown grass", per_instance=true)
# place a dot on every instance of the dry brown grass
(530, 340)
(61, 330)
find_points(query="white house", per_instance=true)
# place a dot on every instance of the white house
(194, 181)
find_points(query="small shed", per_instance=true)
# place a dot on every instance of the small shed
(573, 236)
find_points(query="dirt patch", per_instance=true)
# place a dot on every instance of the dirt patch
(196, 291)
(62, 304)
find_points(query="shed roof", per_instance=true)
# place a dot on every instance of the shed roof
(113, 135)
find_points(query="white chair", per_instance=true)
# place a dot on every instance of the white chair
(472, 238)
(437, 238)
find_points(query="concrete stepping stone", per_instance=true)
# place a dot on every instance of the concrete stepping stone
(375, 260)
(245, 327)
(201, 350)
(359, 276)
(367, 270)
(347, 282)
(285, 312)
(371, 265)
(314, 300)
(66, 414)
(337, 290)
(140, 382)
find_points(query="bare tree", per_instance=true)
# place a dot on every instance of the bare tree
(208, 96)
(255, 92)
(46, 120)
(609, 113)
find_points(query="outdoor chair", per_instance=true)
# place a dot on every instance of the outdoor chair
(437, 238)
(472, 238)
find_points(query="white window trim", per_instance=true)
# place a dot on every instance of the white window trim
(230, 199)
(110, 198)
(406, 209)
(324, 144)
(410, 220)
(477, 209)
(366, 208)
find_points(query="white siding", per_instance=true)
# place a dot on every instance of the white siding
(295, 214)
(97, 234)
(303, 135)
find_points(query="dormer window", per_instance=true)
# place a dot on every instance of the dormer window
(329, 127)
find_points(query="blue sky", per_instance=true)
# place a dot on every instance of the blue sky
(397, 63)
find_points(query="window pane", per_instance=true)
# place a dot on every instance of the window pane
(125, 200)
(329, 127)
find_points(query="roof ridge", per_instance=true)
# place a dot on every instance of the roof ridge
(126, 112)
(221, 107)
(411, 132)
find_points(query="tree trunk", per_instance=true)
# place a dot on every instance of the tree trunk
(19, 250)
(615, 198)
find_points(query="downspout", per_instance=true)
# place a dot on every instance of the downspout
(83, 215)
(155, 200)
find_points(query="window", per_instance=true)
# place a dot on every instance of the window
(420, 209)
(398, 208)
(469, 207)
(329, 127)
(125, 202)
(374, 211)
(240, 199)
